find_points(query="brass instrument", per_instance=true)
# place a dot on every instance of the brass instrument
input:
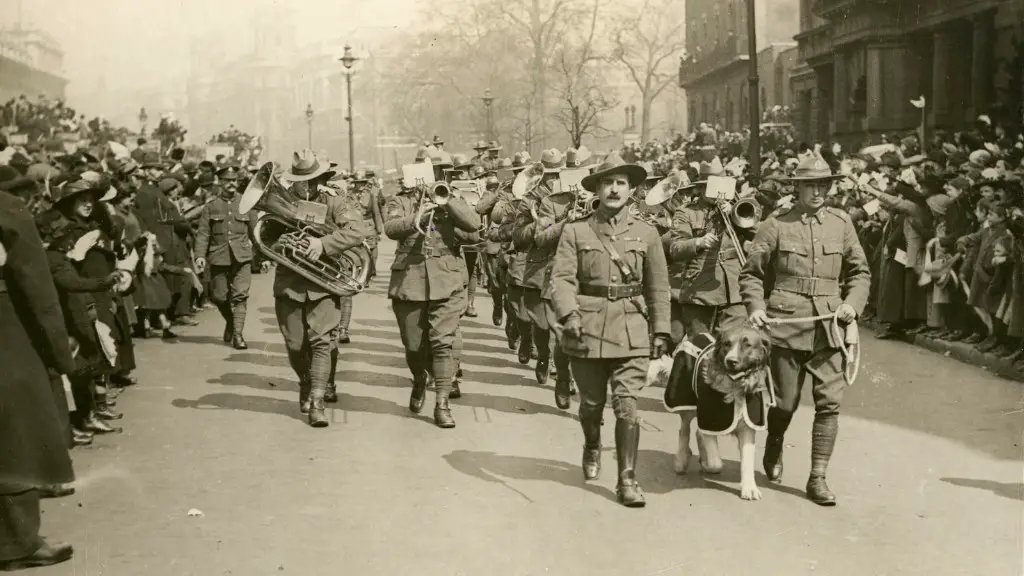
(284, 238)
(744, 215)
(583, 205)
(439, 194)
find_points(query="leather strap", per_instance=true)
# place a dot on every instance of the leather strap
(808, 286)
(611, 291)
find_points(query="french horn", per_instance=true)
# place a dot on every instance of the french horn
(284, 238)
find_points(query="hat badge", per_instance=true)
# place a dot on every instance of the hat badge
(819, 165)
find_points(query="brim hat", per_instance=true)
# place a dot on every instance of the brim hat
(306, 166)
(72, 190)
(205, 179)
(461, 162)
(493, 146)
(229, 173)
(168, 184)
(481, 145)
(812, 169)
(612, 165)
(667, 188)
(477, 172)
(707, 169)
(551, 161)
(208, 165)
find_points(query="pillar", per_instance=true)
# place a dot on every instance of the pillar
(841, 90)
(982, 69)
(875, 75)
(942, 63)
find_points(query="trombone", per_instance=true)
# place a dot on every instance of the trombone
(745, 215)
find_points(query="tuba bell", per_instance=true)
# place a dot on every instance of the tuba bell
(746, 213)
(285, 238)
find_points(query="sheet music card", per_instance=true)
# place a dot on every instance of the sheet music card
(311, 212)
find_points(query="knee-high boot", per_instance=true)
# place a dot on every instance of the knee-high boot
(563, 378)
(590, 421)
(346, 319)
(229, 326)
(778, 423)
(823, 441)
(627, 444)
(319, 374)
(237, 312)
(542, 340)
(299, 361)
(498, 306)
(331, 395)
(419, 381)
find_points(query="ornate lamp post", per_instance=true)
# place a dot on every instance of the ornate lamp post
(143, 118)
(309, 123)
(348, 60)
(754, 152)
(488, 100)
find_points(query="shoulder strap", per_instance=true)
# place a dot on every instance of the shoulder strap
(627, 273)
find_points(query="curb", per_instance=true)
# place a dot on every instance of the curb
(962, 352)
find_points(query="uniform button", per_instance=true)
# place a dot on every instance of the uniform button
(615, 278)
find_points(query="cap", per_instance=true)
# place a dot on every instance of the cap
(228, 173)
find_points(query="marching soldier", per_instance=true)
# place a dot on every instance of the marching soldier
(224, 242)
(481, 153)
(428, 287)
(518, 327)
(705, 263)
(492, 162)
(307, 315)
(471, 254)
(365, 197)
(492, 256)
(810, 259)
(603, 265)
(539, 257)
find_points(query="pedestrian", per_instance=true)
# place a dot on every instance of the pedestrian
(811, 261)
(604, 264)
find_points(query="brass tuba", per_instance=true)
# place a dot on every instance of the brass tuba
(284, 238)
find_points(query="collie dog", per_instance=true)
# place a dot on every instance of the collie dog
(731, 392)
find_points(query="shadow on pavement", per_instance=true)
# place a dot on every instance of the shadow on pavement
(656, 475)
(1013, 491)
(495, 468)
(256, 381)
(509, 405)
(257, 404)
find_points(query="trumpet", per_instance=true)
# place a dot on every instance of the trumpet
(584, 204)
(439, 194)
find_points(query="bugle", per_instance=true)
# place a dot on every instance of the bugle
(438, 193)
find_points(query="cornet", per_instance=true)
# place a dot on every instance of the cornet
(583, 205)
(439, 194)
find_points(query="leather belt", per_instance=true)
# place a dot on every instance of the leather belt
(808, 286)
(611, 291)
(727, 254)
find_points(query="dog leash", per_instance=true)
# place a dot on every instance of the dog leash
(849, 344)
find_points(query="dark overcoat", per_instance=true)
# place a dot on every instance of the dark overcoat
(33, 450)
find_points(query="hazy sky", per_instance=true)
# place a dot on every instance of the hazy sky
(138, 42)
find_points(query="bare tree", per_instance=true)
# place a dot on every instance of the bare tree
(647, 41)
(582, 102)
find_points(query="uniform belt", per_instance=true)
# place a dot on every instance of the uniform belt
(808, 286)
(611, 291)
(433, 251)
(727, 254)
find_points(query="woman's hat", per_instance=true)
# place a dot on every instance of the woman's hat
(306, 166)
(614, 164)
(71, 190)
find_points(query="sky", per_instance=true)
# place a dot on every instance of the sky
(144, 42)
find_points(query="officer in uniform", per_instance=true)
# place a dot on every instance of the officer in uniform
(307, 315)
(364, 196)
(810, 259)
(603, 265)
(705, 263)
(224, 241)
(536, 269)
(428, 287)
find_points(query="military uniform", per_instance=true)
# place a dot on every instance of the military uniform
(365, 199)
(492, 249)
(812, 263)
(616, 326)
(705, 281)
(224, 240)
(308, 316)
(540, 239)
(428, 291)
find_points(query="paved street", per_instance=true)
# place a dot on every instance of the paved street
(927, 469)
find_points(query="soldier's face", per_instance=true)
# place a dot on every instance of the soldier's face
(614, 191)
(812, 194)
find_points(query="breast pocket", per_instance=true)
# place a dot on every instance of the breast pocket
(831, 260)
(793, 257)
(218, 226)
(592, 262)
(636, 253)
(636, 327)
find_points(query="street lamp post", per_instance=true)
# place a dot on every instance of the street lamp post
(754, 93)
(143, 118)
(309, 123)
(348, 60)
(488, 100)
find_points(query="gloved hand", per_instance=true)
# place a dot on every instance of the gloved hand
(660, 346)
(846, 313)
(573, 326)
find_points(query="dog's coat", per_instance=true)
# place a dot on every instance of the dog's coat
(718, 410)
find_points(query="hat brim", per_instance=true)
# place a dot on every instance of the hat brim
(830, 178)
(636, 174)
(320, 171)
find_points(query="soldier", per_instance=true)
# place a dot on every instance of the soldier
(810, 260)
(307, 315)
(492, 161)
(428, 287)
(471, 254)
(603, 264)
(438, 143)
(706, 264)
(492, 256)
(536, 269)
(481, 153)
(364, 196)
(224, 241)
(518, 327)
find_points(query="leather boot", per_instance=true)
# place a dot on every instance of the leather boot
(238, 310)
(419, 393)
(772, 460)
(331, 394)
(471, 307)
(525, 344)
(823, 441)
(563, 394)
(443, 411)
(456, 392)
(627, 444)
(81, 437)
(304, 396)
(46, 555)
(229, 332)
(541, 372)
(590, 420)
(103, 410)
(987, 344)
(97, 426)
(498, 310)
